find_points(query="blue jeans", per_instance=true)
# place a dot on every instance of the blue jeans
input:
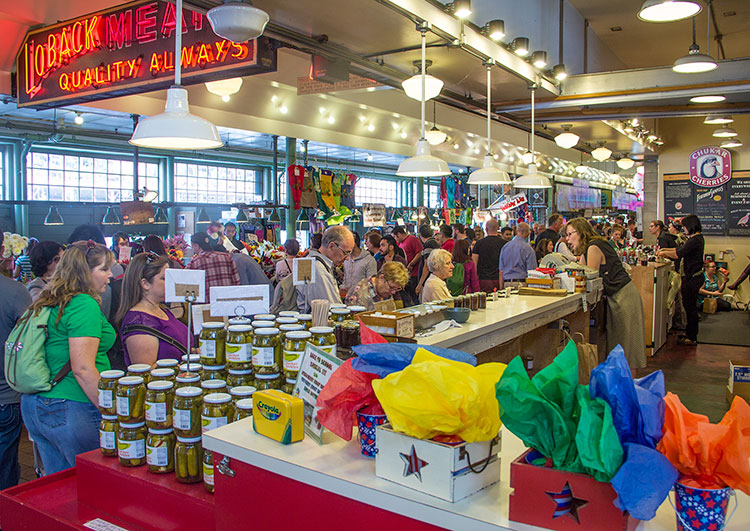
(10, 435)
(61, 429)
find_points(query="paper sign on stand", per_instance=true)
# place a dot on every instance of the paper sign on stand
(202, 314)
(303, 271)
(315, 370)
(239, 300)
(180, 282)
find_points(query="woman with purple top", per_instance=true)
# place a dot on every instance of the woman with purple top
(148, 329)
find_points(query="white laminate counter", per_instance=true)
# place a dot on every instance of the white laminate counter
(339, 468)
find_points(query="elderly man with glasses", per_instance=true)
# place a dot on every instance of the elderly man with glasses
(336, 246)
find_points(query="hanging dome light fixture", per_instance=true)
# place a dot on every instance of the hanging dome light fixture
(566, 139)
(533, 179)
(489, 174)
(413, 85)
(601, 153)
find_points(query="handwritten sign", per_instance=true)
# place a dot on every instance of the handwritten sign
(373, 215)
(510, 203)
(239, 300)
(202, 314)
(303, 271)
(181, 282)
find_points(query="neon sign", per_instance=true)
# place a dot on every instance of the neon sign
(126, 50)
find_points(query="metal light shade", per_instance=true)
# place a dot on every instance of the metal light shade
(274, 217)
(489, 174)
(718, 120)
(567, 140)
(539, 59)
(725, 132)
(435, 136)
(694, 62)
(625, 163)
(176, 128)
(520, 46)
(668, 10)
(161, 217)
(303, 218)
(732, 143)
(413, 87)
(533, 179)
(237, 21)
(111, 217)
(203, 216)
(495, 29)
(559, 72)
(241, 216)
(423, 164)
(224, 87)
(462, 8)
(601, 153)
(53, 217)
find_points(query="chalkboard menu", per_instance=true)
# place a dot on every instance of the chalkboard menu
(738, 209)
(711, 208)
(678, 196)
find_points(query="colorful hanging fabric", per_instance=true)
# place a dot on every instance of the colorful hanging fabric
(309, 198)
(458, 193)
(444, 192)
(326, 191)
(451, 189)
(336, 185)
(347, 191)
(317, 184)
(296, 175)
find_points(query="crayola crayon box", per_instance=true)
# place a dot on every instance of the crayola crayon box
(279, 416)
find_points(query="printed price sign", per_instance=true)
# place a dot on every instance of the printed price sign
(239, 300)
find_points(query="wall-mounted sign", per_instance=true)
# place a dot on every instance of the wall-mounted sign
(373, 215)
(710, 166)
(126, 50)
(511, 203)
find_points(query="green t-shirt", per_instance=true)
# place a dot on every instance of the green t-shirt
(82, 318)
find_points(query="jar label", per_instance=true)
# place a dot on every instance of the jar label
(211, 423)
(131, 449)
(181, 419)
(157, 455)
(105, 398)
(123, 406)
(156, 411)
(264, 356)
(208, 348)
(293, 360)
(107, 440)
(238, 352)
(330, 349)
(208, 474)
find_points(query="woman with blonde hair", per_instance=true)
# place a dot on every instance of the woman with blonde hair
(624, 306)
(64, 421)
(387, 284)
(440, 264)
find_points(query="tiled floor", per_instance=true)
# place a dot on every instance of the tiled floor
(26, 457)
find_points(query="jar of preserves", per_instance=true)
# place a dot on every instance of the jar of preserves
(239, 378)
(168, 363)
(286, 321)
(215, 372)
(159, 396)
(294, 349)
(264, 317)
(263, 324)
(266, 351)
(208, 470)
(194, 358)
(322, 337)
(107, 386)
(139, 369)
(160, 451)
(267, 381)
(108, 435)
(212, 343)
(284, 329)
(337, 305)
(474, 301)
(288, 313)
(130, 397)
(166, 375)
(239, 348)
(288, 386)
(347, 335)
(188, 456)
(213, 386)
(242, 409)
(482, 300)
(339, 315)
(305, 319)
(239, 321)
(194, 367)
(186, 412)
(131, 443)
(187, 379)
(241, 392)
(217, 410)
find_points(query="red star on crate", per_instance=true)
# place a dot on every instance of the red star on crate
(413, 464)
(567, 504)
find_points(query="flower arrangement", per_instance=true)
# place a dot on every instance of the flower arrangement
(175, 246)
(266, 254)
(14, 244)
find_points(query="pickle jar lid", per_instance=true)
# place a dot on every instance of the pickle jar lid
(240, 328)
(188, 377)
(302, 334)
(288, 313)
(291, 327)
(167, 363)
(267, 332)
(242, 390)
(213, 325)
(321, 330)
(217, 398)
(267, 376)
(357, 309)
(139, 367)
(135, 425)
(109, 417)
(264, 317)
(262, 324)
(193, 365)
(193, 357)
(112, 374)
(291, 380)
(130, 380)
(162, 373)
(304, 317)
(213, 384)
(165, 431)
(215, 368)
(239, 321)
(286, 320)
(337, 305)
(188, 392)
(245, 403)
(340, 311)
(240, 372)
(189, 439)
(160, 385)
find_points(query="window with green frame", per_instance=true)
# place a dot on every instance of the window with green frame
(215, 184)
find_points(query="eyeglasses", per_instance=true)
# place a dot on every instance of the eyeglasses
(572, 232)
(345, 253)
(90, 244)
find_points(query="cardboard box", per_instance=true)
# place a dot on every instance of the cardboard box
(739, 379)
(437, 469)
(401, 324)
(547, 283)
(554, 499)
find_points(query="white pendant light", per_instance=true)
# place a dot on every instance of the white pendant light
(718, 120)
(527, 158)
(533, 179)
(707, 99)
(601, 153)
(725, 132)
(176, 128)
(694, 62)
(731, 143)
(435, 136)
(668, 10)
(489, 174)
(224, 87)
(625, 163)
(582, 168)
(423, 164)
(237, 21)
(566, 139)
(413, 85)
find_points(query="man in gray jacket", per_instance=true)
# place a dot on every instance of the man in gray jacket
(359, 266)
(336, 246)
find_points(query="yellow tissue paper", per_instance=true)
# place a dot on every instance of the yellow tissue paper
(437, 396)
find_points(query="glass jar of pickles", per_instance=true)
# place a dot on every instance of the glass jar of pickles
(159, 396)
(212, 343)
(194, 367)
(107, 386)
(267, 381)
(239, 348)
(264, 317)
(286, 321)
(239, 378)
(339, 315)
(322, 337)
(213, 386)
(288, 313)
(239, 321)
(168, 363)
(355, 310)
(186, 412)
(262, 324)
(160, 450)
(139, 369)
(284, 329)
(213, 372)
(305, 319)
(188, 456)
(288, 386)
(266, 351)
(131, 443)
(294, 349)
(241, 392)
(166, 375)
(187, 379)
(242, 409)
(208, 470)
(108, 435)
(217, 410)
(130, 397)
(194, 358)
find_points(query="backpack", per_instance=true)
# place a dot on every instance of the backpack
(285, 294)
(455, 283)
(26, 369)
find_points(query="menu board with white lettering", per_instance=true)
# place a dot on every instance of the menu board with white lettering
(738, 208)
(711, 208)
(678, 196)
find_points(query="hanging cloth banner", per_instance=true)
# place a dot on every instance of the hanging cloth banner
(451, 189)
(336, 186)
(347, 191)
(326, 192)
(444, 192)
(309, 199)
(296, 176)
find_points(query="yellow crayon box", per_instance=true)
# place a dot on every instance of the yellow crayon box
(279, 416)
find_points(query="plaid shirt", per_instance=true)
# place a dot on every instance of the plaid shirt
(219, 267)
